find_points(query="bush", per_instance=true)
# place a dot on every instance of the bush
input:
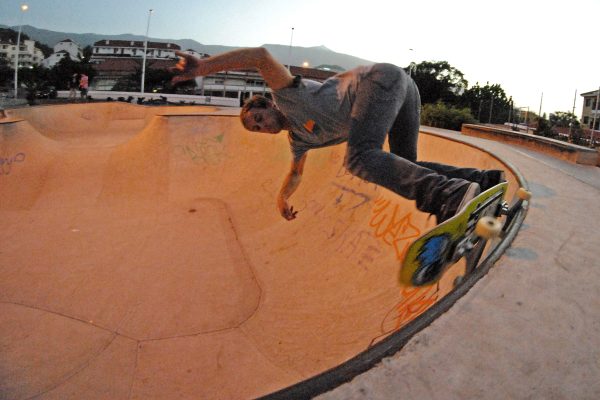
(440, 115)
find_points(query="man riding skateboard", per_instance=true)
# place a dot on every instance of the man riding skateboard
(362, 107)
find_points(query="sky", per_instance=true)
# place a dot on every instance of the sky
(540, 52)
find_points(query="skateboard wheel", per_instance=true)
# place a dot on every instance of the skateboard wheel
(488, 227)
(523, 194)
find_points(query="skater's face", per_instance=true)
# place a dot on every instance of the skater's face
(266, 120)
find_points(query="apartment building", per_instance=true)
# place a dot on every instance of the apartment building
(118, 59)
(112, 70)
(29, 55)
(590, 110)
(103, 50)
(62, 49)
(246, 83)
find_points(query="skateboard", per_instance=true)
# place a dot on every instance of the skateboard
(463, 235)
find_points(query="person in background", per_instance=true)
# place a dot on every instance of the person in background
(73, 86)
(83, 86)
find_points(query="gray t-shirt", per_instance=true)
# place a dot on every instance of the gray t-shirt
(319, 113)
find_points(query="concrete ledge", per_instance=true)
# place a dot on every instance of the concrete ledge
(175, 98)
(6, 102)
(556, 148)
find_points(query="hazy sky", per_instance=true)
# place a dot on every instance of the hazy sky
(526, 46)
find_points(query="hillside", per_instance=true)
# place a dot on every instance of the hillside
(318, 55)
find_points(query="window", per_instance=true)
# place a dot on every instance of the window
(588, 101)
(586, 120)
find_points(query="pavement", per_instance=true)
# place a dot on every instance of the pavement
(142, 257)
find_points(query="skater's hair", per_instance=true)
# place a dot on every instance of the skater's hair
(256, 101)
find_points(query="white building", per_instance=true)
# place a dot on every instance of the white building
(105, 49)
(29, 55)
(195, 53)
(63, 49)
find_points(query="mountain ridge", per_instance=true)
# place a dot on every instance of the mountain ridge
(315, 55)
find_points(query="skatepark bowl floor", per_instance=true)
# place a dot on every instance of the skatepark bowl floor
(142, 256)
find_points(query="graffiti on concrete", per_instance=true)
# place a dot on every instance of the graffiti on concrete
(205, 150)
(413, 302)
(393, 227)
(6, 163)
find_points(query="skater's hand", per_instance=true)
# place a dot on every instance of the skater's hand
(187, 68)
(285, 210)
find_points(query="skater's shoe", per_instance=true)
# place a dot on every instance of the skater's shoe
(491, 178)
(456, 201)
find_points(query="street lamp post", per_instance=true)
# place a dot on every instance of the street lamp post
(24, 7)
(290, 50)
(145, 51)
(595, 116)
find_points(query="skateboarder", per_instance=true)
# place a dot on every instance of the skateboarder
(361, 107)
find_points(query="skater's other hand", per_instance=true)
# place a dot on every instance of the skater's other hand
(285, 210)
(188, 67)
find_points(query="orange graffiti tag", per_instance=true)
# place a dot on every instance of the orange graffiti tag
(394, 229)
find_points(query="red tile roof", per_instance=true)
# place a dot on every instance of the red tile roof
(311, 73)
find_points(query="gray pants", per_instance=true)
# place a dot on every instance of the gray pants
(388, 101)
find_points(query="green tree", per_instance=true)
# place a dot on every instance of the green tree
(544, 128)
(7, 34)
(438, 81)
(61, 73)
(34, 79)
(6, 72)
(86, 54)
(156, 80)
(564, 119)
(441, 115)
(483, 99)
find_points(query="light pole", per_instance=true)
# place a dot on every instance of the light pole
(595, 116)
(290, 50)
(412, 64)
(145, 50)
(24, 7)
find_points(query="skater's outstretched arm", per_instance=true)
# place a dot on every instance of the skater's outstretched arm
(275, 74)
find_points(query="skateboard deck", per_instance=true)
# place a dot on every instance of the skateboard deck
(454, 238)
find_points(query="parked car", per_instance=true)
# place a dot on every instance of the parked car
(49, 92)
